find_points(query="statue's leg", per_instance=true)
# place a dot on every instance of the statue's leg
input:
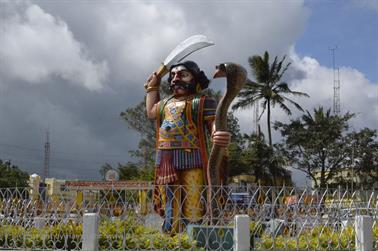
(176, 204)
(168, 218)
(193, 202)
(173, 216)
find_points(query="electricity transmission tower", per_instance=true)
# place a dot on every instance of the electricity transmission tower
(47, 157)
(336, 84)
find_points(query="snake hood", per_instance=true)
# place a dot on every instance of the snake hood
(236, 75)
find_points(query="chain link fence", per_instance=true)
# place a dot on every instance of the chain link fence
(281, 218)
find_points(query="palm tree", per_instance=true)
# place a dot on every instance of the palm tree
(268, 88)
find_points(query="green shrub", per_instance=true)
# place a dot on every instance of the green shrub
(60, 236)
(127, 234)
(117, 234)
(130, 235)
(317, 238)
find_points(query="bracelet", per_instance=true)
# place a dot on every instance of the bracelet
(146, 86)
(150, 89)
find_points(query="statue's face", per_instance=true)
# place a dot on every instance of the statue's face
(180, 78)
(180, 73)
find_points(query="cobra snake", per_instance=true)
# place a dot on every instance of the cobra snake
(236, 78)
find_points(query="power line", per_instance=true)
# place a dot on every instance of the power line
(21, 160)
(53, 159)
(21, 147)
(31, 157)
(33, 149)
(78, 161)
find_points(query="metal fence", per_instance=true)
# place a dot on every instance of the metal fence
(281, 218)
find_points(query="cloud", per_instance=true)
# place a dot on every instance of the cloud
(368, 4)
(139, 43)
(357, 94)
(36, 47)
(135, 37)
(85, 132)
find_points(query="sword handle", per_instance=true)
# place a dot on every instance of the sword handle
(161, 71)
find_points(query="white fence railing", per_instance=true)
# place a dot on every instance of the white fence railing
(279, 218)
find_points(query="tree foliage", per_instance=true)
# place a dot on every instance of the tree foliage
(137, 119)
(12, 176)
(364, 156)
(317, 144)
(132, 171)
(268, 88)
(104, 168)
(255, 157)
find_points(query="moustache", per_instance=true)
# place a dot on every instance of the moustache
(180, 85)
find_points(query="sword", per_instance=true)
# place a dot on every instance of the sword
(184, 49)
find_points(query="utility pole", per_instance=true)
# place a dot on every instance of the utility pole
(336, 84)
(47, 157)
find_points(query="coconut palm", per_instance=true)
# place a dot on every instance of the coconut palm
(268, 88)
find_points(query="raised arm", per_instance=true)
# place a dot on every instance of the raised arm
(152, 89)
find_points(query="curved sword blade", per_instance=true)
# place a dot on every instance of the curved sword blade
(186, 48)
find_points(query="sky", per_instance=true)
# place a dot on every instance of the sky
(71, 67)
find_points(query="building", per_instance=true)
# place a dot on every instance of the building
(82, 195)
(51, 188)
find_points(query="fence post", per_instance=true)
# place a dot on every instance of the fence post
(90, 231)
(364, 233)
(241, 233)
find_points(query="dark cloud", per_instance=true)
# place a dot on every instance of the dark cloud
(85, 128)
